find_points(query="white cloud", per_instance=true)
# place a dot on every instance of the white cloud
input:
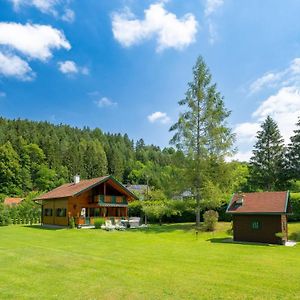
(45, 6)
(283, 107)
(51, 7)
(246, 131)
(211, 6)
(242, 156)
(286, 77)
(70, 67)
(267, 79)
(14, 66)
(168, 30)
(34, 41)
(68, 16)
(105, 102)
(160, 117)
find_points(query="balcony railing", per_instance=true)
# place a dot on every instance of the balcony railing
(102, 199)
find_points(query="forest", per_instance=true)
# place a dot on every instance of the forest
(38, 156)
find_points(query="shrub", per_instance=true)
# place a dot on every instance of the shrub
(98, 222)
(210, 220)
(72, 223)
(295, 203)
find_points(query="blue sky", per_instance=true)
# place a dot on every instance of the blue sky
(123, 65)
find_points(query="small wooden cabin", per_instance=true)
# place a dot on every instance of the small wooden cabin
(12, 201)
(85, 200)
(260, 217)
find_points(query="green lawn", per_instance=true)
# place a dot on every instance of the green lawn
(165, 262)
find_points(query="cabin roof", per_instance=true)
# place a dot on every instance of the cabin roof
(72, 189)
(12, 201)
(259, 203)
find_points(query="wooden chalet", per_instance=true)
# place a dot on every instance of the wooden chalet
(85, 200)
(260, 217)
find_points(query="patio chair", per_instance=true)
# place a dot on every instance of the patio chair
(108, 226)
(119, 225)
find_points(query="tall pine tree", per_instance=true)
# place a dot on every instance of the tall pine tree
(202, 134)
(294, 153)
(267, 165)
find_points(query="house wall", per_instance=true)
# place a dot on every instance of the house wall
(54, 204)
(269, 225)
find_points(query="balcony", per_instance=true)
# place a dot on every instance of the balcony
(104, 200)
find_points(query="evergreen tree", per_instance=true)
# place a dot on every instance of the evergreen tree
(9, 170)
(267, 165)
(202, 134)
(293, 155)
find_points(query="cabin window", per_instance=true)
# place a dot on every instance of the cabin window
(48, 212)
(61, 212)
(255, 224)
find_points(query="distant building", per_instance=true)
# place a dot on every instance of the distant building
(141, 189)
(184, 195)
(12, 201)
(260, 217)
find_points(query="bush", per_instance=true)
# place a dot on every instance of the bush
(210, 220)
(72, 223)
(4, 216)
(295, 203)
(99, 222)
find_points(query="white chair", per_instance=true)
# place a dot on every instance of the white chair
(119, 225)
(108, 226)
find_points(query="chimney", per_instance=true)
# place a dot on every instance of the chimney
(76, 179)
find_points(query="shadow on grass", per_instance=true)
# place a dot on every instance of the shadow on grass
(295, 236)
(165, 228)
(45, 227)
(229, 240)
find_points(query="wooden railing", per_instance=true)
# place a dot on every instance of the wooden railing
(112, 199)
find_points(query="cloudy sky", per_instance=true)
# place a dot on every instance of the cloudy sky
(123, 65)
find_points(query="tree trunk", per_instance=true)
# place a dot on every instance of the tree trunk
(198, 210)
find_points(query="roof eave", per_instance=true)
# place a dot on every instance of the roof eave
(258, 213)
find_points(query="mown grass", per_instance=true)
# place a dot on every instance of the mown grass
(166, 262)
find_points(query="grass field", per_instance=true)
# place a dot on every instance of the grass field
(165, 262)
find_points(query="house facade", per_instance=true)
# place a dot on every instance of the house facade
(260, 217)
(85, 200)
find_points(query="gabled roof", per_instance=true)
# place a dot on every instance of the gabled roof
(12, 201)
(259, 203)
(72, 189)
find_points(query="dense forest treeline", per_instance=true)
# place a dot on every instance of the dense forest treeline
(40, 156)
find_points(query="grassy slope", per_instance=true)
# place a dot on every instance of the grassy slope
(158, 263)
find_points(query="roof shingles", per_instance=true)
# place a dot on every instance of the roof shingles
(260, 202)
(71, 189)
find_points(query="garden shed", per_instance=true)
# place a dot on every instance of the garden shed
(260, 217)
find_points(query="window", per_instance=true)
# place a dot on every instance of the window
(255, 225)
(48, 212)
(61, 212)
